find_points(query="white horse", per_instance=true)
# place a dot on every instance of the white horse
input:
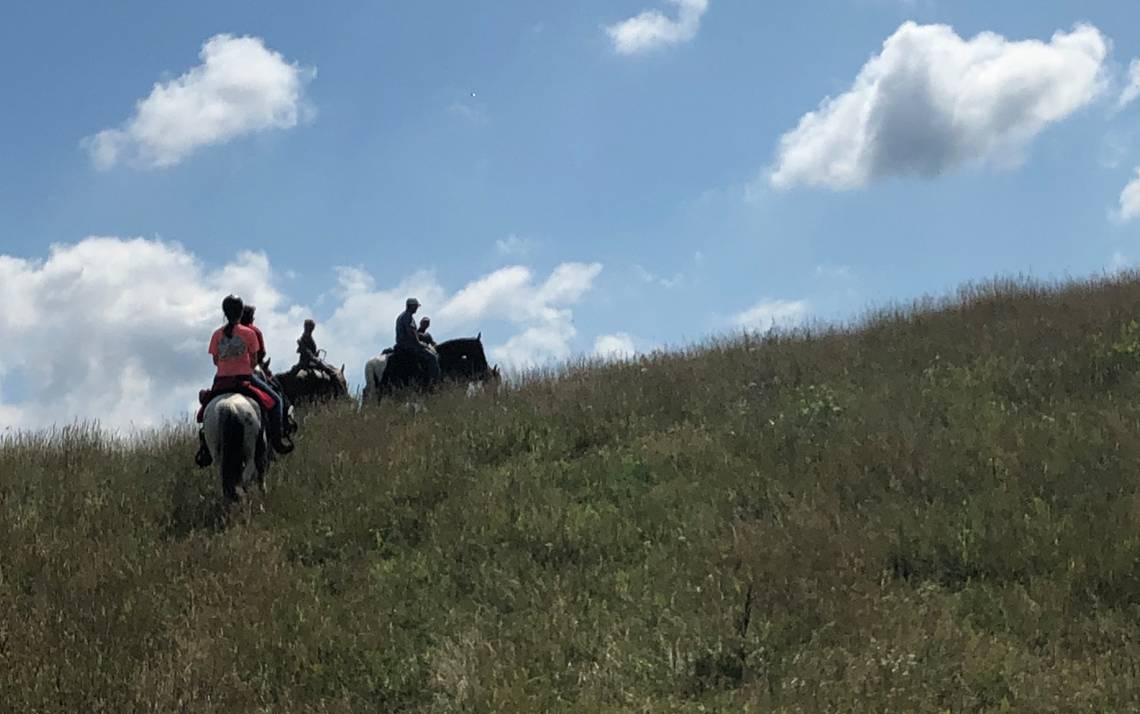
(237, 442)
(373, 373)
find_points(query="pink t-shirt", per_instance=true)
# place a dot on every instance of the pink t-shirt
(235, 355)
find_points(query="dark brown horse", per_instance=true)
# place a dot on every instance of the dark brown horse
(460, 361)
(305, 385)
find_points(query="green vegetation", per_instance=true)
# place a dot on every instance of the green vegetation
(937, 510)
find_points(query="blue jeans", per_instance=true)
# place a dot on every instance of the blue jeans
(279, 407)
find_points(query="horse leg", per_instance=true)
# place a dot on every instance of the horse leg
(261, 461)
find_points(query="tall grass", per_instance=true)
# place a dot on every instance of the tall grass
(935, 509)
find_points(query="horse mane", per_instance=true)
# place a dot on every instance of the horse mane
(461, 344)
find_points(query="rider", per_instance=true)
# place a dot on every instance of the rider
(425, 336)
(234, 348)
(408, 339)
(264, 383)
(247, 320)
(309, 354)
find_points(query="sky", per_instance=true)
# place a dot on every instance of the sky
(596, 178)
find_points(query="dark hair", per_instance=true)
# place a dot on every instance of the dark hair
(232, 308)
(247, 314)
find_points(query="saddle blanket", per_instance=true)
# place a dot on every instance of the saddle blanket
(233, 385)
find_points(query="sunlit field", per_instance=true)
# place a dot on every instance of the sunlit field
(935, 509)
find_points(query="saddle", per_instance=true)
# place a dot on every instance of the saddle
(233, 385)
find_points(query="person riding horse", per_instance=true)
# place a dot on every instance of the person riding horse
(235, 348)
(425, 336)
(310, 357)
(408, 340)
(247, 315)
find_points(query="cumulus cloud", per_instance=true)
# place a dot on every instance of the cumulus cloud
(617, 346)
(1132, 90)
(652, 29)
(767, 314)
(241, 87)
(116, 329)
(541, 309)
(1130, 200)
(932, 101)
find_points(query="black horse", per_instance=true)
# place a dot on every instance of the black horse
(460, 361)
(307, 385)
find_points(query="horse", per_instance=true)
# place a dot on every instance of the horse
(306, 384)
(373, 377)
(460, 360)
(237, 442)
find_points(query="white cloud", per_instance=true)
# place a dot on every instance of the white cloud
(1132, 91)
(1130, 200)
(652, 29)
(614, 347)
(767, 314)
(116, 329)
(542, 309)
(515, 246)
(241, 87)
(931, 101)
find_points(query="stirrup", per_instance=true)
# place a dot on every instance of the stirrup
(203, 458)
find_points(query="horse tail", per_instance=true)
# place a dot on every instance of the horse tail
(232, 438)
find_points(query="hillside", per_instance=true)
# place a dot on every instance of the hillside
(935, 510)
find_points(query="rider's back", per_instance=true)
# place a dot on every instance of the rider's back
(235, 355)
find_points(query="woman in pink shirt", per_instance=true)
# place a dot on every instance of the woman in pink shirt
(234, 348)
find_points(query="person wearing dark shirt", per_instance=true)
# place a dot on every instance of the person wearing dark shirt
(307, 346)
(408, 339)
(310, 357)
(425, 336)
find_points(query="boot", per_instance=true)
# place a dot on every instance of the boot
(203, 458)
(282, 444)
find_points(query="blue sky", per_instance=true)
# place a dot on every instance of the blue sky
(625, 179)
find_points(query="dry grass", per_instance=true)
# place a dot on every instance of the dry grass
(935, 510)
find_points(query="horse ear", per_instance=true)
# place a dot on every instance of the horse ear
(479, 337)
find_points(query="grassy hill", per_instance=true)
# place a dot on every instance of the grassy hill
(935, 510)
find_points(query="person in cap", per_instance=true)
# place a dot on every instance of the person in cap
(408, 339)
